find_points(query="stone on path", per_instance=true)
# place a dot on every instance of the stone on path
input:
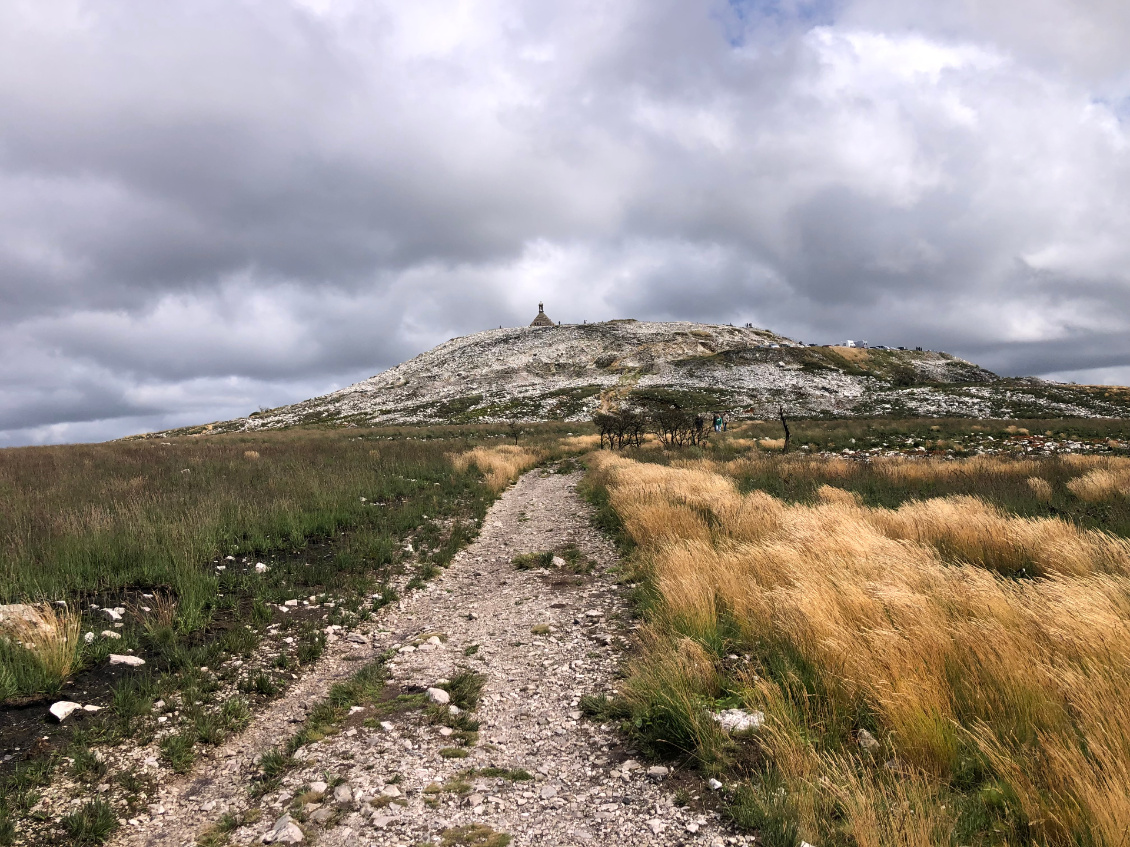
(438, 695)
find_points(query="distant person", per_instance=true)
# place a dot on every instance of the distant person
(717, 422)
(725, 421)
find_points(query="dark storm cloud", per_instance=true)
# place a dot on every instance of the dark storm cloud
(208, 206)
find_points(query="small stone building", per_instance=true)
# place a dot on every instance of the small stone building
(542, 319)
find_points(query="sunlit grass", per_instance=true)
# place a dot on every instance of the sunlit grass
(989, 653)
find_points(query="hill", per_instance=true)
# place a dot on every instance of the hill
(567, 372)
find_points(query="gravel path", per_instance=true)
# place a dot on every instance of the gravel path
(542, 639)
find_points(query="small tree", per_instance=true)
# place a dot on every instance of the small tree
(623, 427)
(675, 427)
(514, 427)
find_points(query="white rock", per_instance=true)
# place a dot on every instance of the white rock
(739, 720)
(285, 831)
(868, 741)
(291, 603)
(657, 826)
(261, 568)
(390, 791)
(319, 787)
(132, 661)
(113, 614)
(63, 709)
(558, 562)
(438, 695)
(714, 784)
(90, 707)
(657, 771)
(435, 640)
(109, 633)
(88, 638)
(387, 726)
(343, 793)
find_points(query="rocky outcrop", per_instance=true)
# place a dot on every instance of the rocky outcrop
(567, 372)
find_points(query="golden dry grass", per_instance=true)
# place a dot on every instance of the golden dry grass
(900, 617)
(499, 465)
(580, 443)
(1041, 488)
(1101, 484)
(50, 635)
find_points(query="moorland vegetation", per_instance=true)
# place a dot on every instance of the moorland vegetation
(931, 615)
(224, 563)
(940, 647)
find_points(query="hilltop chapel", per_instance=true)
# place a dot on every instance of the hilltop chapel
(542, 319)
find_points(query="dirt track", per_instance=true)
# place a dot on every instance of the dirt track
(587, 787)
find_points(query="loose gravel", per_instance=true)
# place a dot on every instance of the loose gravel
(538, 770)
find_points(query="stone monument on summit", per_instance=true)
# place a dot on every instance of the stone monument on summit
(542, 319)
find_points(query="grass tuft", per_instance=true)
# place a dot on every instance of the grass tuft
(93, 823)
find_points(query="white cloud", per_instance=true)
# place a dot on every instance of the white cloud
(204, 205)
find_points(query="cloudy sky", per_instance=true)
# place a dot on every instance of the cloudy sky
(208, 206)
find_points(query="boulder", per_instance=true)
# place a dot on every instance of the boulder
(438, 695)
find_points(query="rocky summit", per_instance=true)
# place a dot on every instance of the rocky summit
(558, 372)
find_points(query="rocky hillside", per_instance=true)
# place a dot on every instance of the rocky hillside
(566, 372)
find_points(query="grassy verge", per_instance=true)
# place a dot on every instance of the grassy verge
(948, 669)
(227, 563)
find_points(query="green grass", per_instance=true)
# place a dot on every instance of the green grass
(177, 752)
(510, 774)
(91, 824)
(473, 835)
(465, 688)
(150, 524)
(532, 561)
